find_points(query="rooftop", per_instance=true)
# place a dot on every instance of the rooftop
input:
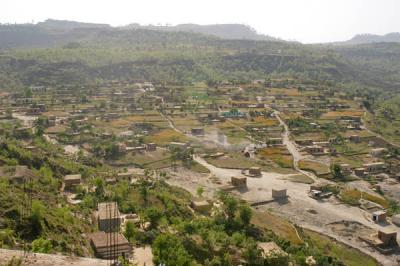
(103, 239)
(108, 210)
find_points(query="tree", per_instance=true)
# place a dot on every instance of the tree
(99, 191)
(130, 231)
(169, 250)
(252, 254)
(336, 171)
(153, 215)
(112, 151)
(245, 214)
(8, 113)
(37, 217)
(144, 190)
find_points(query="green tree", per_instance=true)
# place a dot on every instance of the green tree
(337, 171)
(169, 250)
(245, 214)
(153, 215)
(130, 231)
(37, 216)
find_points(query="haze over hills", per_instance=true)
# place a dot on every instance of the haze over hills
(373, 38)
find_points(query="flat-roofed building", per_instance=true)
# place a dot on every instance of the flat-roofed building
(110, 245)
(72, 181)
(201, 206)
(198, 131)
(374, 168)
(314, 149)
(239, 181)
(22, 173)
(254, 171)
(379, 216)
(279, 193)
(109, 217)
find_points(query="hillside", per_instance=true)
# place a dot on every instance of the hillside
(57, 51)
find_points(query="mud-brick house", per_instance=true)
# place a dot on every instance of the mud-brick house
(108, 216)
(239, 181)
(379, 216)
(274, 141)
(72, 181)
(377, 152)
(375, 168)
(151, 146)
(355, 138)
(314, 149)
(279, 193)
(109, 245)
(201, 206)
(254, 171)
(198, 131)
(22, 173)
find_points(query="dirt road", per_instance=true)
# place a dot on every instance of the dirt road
(297, 156)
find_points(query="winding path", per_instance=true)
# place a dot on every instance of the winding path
(297, 156)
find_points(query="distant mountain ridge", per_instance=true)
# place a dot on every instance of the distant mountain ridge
(373, 38)
(54, 24)
(223, 31)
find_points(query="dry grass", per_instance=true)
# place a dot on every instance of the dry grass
(336, 114)
(301, 179)
(352, 197)
(381, 201)
(266, 121)
(349, 256)
(278, 225)
(315, 167)
(285, 91)
(128, 120)
(279, 155)
(166, 136)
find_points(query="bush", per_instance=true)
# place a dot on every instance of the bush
(42, 245)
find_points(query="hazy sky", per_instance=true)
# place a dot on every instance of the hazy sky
(302, 20)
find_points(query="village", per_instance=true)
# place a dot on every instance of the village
(301, 152)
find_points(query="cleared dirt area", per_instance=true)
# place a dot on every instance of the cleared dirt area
(304, 210)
